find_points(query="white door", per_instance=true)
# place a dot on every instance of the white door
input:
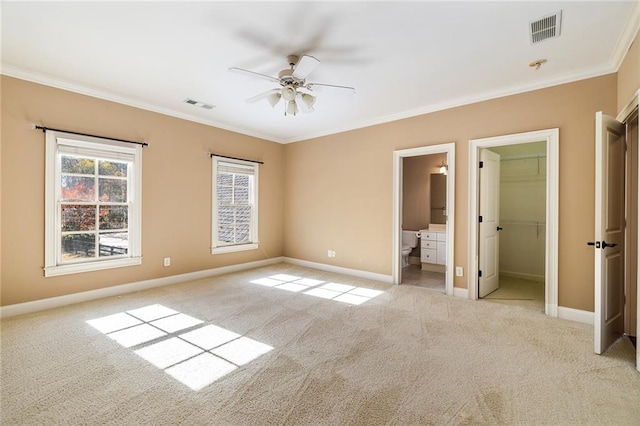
(489, 223)
(609, 232)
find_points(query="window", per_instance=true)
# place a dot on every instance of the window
(93, 204)
(235, 205)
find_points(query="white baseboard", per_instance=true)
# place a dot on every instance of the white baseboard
(577, 315)
(462, 293)
(56, 302)
(340, 270)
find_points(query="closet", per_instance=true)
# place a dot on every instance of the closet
(522, 210)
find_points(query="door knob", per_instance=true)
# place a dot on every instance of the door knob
(606, 244)
(499, 228)
(594, 243)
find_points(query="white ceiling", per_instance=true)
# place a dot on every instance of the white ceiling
(403, 58)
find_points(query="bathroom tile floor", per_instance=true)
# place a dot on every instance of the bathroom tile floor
(414, 275)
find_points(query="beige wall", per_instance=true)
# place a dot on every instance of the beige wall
(176, 214)
(1, 257)
(416, 191)
(341, 196)
(629, 74)
(337, 195)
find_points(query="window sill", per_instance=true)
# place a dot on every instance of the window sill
(76, 268)
(234, 248)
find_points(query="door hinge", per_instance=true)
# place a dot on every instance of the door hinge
(479, 274)
(480, 219)
(481, 164)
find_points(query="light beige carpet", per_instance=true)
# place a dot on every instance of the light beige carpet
(341, 354)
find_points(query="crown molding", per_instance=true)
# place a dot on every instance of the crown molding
(627, 36)
(46, 80)
(467, 100)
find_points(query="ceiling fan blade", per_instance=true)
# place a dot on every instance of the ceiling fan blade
(335, 86)
(254, 74)
(262, 96)
(305, 66)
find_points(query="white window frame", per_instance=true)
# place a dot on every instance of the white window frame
(253, 231)
(93, 146)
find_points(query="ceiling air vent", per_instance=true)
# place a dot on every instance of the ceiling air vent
(198, 104)
(545, 28)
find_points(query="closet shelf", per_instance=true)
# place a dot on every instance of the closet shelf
(523, 157)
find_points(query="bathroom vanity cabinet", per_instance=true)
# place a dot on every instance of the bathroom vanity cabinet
(433, 247)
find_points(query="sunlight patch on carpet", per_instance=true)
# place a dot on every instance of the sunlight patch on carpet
(344, 293)
(200, 371)
(176, 323)
(242, 351)
(136, 335)
(196, 358)
(114, 322)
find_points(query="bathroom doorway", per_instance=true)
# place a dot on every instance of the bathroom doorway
(424, 206)
(420, 173)
(537, 221)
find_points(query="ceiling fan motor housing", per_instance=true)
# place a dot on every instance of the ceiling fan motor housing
(287, 79)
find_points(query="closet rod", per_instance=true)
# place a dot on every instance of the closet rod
(523, 222)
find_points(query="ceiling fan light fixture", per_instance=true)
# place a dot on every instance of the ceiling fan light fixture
(289, 93)
(292, 108)
(308, 100)
(293, 86)
(274, 99)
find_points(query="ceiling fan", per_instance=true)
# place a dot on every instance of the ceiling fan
(295, 90)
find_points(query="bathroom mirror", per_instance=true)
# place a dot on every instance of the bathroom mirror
(438, 198)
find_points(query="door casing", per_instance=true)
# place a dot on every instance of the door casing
(551, 137)
(622, 117)
(446, 148)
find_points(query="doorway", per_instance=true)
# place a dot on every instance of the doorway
(446, 230)
(616, 230)
(424, 208)
(520, 191)
(631, 321)
(488, 242)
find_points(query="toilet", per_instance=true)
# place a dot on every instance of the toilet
(409, 242)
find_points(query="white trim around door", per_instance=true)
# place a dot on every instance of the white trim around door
(551, 137)
(446, 148)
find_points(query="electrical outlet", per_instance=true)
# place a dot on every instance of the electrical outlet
(459, 271)
(167, 261)
(331, 253)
